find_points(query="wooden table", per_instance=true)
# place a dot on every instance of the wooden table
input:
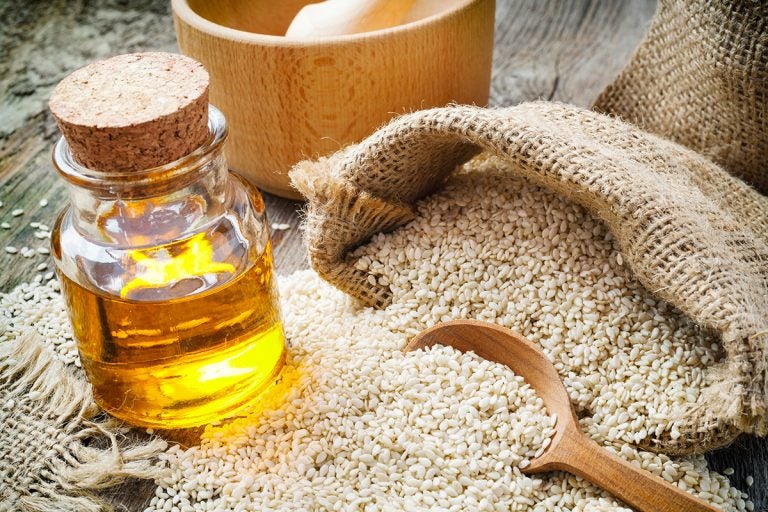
(551, 49)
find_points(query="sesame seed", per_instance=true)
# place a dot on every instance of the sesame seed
(354, 423)
(11, 249)
(17, 212)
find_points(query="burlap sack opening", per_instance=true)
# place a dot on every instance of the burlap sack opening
(693, 234)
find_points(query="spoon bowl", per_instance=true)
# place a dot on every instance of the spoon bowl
(570, 450)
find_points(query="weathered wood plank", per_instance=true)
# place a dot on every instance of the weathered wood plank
(545, 49)
(563, 51)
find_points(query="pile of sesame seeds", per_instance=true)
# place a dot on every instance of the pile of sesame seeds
(494, 248)
(357, 425)
(491, 248)
(363, 428)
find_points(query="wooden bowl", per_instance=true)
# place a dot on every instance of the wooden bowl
(286, 99)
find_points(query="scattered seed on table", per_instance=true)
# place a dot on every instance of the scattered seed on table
(48, 276)
(750, 480)
(42, 267)
(17, 212)
(44, 227)
(11, 249)
(43, 250)
(34, 225)
(43, 203)
(5, 225)
(728, 471)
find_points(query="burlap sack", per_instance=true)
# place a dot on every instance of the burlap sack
(700, 78)
(693, 234)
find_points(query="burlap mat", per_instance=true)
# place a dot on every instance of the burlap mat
(693, 234)
(58, 449)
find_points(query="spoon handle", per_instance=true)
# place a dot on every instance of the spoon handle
(636, 487)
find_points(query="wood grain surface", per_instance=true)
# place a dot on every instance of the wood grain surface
(550, 49)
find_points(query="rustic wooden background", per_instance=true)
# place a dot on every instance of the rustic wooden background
(551, 49)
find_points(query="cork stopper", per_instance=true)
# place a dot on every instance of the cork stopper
(133, 112)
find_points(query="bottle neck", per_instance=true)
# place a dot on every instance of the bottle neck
(135, 218)
(152, 206)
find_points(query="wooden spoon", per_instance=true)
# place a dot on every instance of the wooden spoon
(570, 450)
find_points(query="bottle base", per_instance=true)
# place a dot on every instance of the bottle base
(194, 391)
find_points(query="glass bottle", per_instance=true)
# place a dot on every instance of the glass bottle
(168, 278)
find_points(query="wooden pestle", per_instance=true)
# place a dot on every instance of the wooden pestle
(340, 17)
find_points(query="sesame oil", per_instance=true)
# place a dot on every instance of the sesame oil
(186, 359)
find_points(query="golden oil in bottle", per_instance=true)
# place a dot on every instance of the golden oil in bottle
(184, 361)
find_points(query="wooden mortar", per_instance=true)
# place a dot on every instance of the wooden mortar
(286, 100)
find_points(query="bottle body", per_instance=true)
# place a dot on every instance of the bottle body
(171, 293)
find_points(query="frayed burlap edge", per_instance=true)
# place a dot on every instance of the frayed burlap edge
(359, 215)
(678, 218)
(58, 448)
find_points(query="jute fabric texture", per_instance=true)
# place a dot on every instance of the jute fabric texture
(57, 447)
(693, 234)
(700, 78)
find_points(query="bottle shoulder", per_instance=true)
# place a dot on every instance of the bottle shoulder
(154, 266)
